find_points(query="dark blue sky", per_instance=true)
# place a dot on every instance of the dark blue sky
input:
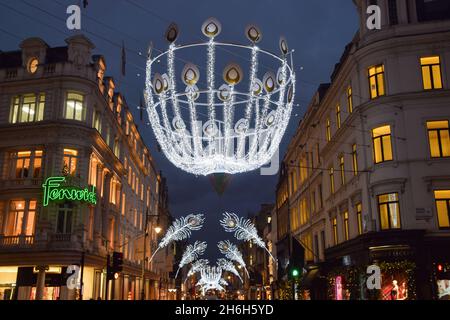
(318, 30)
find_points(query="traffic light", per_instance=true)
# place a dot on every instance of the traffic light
(112, 270)
(117, 264)
(296, 260)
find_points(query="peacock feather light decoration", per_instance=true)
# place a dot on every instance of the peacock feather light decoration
(243, 229)
(196, 267)
(180, 229)
(227, 265)
(191, 253)
(232, 253)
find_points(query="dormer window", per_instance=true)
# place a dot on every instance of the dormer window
(32, 65)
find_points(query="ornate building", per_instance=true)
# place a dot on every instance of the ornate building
(367, 176)
(76, 179)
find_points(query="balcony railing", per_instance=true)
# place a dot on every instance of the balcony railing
(21, 183)
(16, 241)
(61, 237)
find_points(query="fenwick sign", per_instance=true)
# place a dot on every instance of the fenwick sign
(55, 190)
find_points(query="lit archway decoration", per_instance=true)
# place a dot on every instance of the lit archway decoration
(212, 125)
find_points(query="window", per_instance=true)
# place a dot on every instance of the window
(320, 196)
(442, 198)
(303, 169)
(28, 164)
(318, 153)
(354, 160)
(64, 222)
(335, 231)
(313, 202)
(349, 99)
(74, 106)
(328, 130)
(359, 218)
(431, 72)
(376, 81)
(342, 169)
(331, 173)
(338, 116)
(316, 247)
(27, 108)
(322, 240)
(346, 226)
(304, 214)
(393, 16)
(111, 233)
(295, 218)
(306, 241)
(382, 146)
(21, 218)
(70, 161)
(438, 136)
(97, 121)
(117, 147)
(388, 207)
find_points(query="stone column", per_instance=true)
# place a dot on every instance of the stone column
(98, 209)
(40, 283)
(105, 206)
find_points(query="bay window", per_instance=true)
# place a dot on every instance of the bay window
(382, 145)
(389, 210)
(75, 109)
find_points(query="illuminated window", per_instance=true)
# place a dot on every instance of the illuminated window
(342, 169)
(338, 116)
(346, 226)
(123, 203)
(21, 218)
(354, 160)
(304, 214)
(335, 231)
(27, 108)
(111, 233)
(442, 198)
(438, 136)
(376, 81)
(97, 121)
(331, 173)
(328, 130)
(294, 217)
(303, 169)
(359, 218)
(64, 220)
(28, 164)
(117, 147)
(70, 161)
(91, 223)
(349, 99)
(306, 241)
(382, 146)
(388, 207)
(431, 72)
(74, 106)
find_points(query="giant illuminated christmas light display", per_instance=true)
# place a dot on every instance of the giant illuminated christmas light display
(211, 125)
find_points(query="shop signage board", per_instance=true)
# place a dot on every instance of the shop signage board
(56, 189)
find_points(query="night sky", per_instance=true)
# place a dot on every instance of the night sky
(318, 30)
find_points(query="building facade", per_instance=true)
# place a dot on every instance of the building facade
(366, 179)
(76, 179)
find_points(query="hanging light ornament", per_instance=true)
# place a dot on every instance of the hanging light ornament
(231, 123)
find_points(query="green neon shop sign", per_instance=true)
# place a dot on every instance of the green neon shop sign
(55, 190)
